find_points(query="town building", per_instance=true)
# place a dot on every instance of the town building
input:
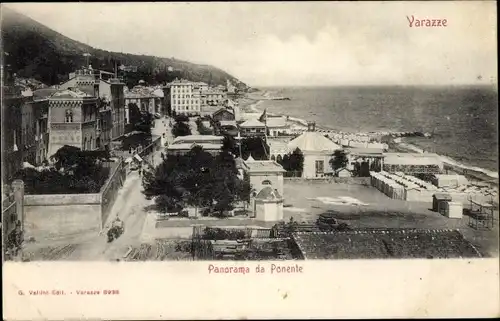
(145, 98)
(264, 174)
(223, 114)
(213, 97)
(72, 120)
(34, 130)
(251, 128)
(317, 151)
(277, 126)
(184, 97)
(412, 163)
(106, 86)
(369, 159)
(184, 148)
(268, 205)
(12, 157)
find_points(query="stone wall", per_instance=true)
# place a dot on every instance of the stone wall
(110, 190)
(48, 216)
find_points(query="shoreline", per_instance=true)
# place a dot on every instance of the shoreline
(475, 172)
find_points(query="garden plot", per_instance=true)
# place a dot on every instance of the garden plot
(341, 200)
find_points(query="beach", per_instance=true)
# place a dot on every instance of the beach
(253, 105)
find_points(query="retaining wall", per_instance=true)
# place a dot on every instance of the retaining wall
(47, 216)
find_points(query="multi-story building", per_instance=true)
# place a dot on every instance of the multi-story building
(106, 86)
(147, 100)
(112, 91)
(12, 157)
(72, 120)
(213, 97)
(34, 116)
(184, 97)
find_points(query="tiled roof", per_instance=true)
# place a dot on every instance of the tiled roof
(228, 123)
(44, 93)
(268, 194)
(365, 151)
(73, 93)
(263, 166)
(197, 138)
(385, 244)
(252, 123)
(313, 142)
(411, 159)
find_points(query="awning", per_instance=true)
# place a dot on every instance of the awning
(137, 157)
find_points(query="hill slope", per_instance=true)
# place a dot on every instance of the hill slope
(36, 51)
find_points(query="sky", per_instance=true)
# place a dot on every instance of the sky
(295, 43)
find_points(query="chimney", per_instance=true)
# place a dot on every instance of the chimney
(311, 126)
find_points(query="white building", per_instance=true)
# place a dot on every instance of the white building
(317, 150)
(185, 97)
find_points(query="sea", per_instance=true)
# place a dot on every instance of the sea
(463, 120)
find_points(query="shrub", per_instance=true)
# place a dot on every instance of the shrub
(181, 118)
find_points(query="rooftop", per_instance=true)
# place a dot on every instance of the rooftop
(268, 194)
(263, 166)
(188, 146)
(70, 93)
(311, 141)
(385, 244)
(366, 151)
(412, 159)
(228, 123)
(252, 123)
(197, 138)
(43, 93)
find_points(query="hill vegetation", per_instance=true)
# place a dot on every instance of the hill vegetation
(32, 50)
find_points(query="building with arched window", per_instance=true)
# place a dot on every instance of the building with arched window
(72, 120)
(263, 174)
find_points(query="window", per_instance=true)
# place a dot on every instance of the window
(69, 116)
(320, 167)
(266, 182)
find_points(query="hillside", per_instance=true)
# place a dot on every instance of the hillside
(36, 51)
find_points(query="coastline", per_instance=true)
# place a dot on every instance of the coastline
(255, 99)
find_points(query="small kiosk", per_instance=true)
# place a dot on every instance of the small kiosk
(439, 201)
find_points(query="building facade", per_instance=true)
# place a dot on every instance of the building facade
(12, 156)
(252, 128)
(36, 135)
(185, 98)
(72, 120)
(109, 89)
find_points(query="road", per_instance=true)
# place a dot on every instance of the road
(131, 207)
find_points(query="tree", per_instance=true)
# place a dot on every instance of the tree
(230, 145)
(196, 179)
(339, 160)
(296, 160)
(181, 129)
(134, 114)
(181, 118)
(256, 146)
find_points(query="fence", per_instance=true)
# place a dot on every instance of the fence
(110, 190)
(289, 174)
